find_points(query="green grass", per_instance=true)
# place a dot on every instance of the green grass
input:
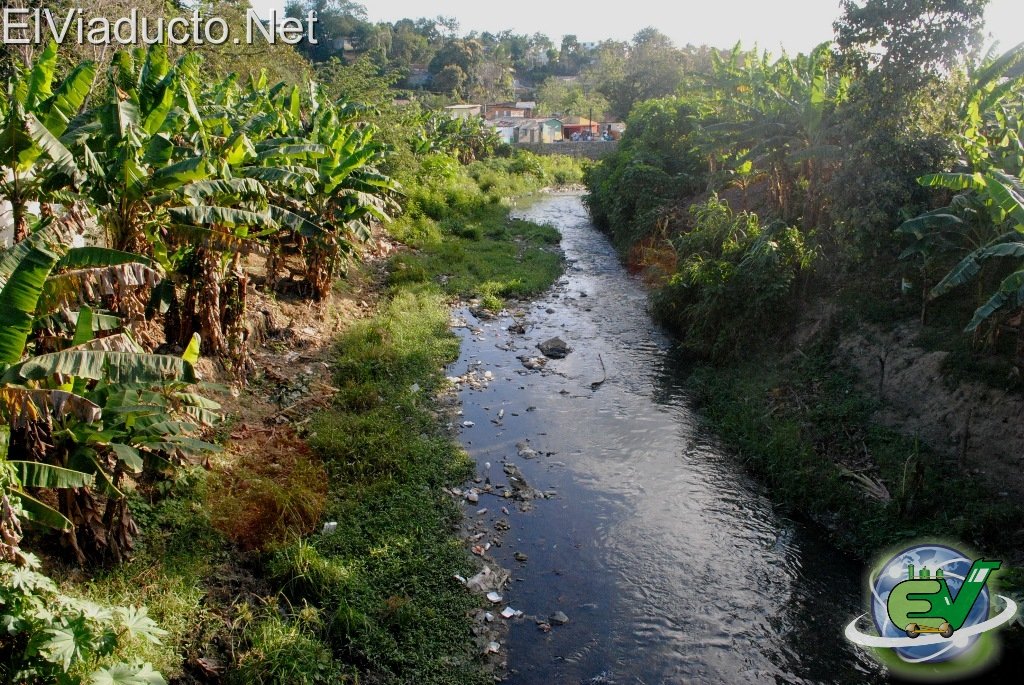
(177, 550)
(491, 257)
(381, 586)
(463, 240)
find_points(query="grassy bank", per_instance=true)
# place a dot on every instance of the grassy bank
(379, 592)
(230, 561)
(462, 238)
(801, 425)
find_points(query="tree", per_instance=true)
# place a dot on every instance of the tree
(408, 46)
(281, 62)
(570, 56)
(910, 39)
(337, 20)
(465, 54)
(493, 80)
(652, 69)
(52, 407)
(451, 80)
(900, 48)
(555, 96)
(357, 82)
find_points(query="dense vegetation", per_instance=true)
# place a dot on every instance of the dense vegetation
(842, 152)
(147, 205)
(877, 179)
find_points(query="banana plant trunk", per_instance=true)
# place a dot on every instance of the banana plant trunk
(323, 259)
(10, 533)
(18, 212)
(233, 301)
(208, 303)
(20, 226)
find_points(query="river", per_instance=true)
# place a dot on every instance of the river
(671, 564)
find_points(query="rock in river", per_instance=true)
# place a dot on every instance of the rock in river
(559, 619)
(554, 348)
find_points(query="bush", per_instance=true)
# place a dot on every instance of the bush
(52, 637)
(527, 163)
(656, 165)
(735, 279)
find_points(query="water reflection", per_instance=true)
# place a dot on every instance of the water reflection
(671, 564)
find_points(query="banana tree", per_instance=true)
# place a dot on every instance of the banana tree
(168, 182)
(33, 161)
(992, 113)
(339, 165)
(135, 147)
(1003, 197)
(780, 114)
(52, 405)
(983, 220)
(212, 226)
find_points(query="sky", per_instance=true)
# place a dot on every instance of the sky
(796, 25)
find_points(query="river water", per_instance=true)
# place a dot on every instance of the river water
(671, 564)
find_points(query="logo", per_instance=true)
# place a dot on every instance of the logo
(933, 613)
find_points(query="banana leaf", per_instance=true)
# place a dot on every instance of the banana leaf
(1010, 293)
(219, 241)
(90, 285)
(114, 367)
(33, 474)
(41, 76)
(69, 98)
(42, 514)
(129, 456)
(208, 215)
(19, 405)
(50, 145)
(88, 257)
(24, 270)
(178, 174)
(1006, 198)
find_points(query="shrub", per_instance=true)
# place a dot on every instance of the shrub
(52, 637)
(734, 283)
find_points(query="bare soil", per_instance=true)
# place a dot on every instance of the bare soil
(977, 426)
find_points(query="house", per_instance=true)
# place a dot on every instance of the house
(505, 128)
(539, 131)
(463, 111)
(579, 126)
(510, 110)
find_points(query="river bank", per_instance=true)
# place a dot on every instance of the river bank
(859, 417)
(320, 544)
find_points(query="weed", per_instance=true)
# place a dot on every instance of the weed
(273, 491)
(280, 652)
